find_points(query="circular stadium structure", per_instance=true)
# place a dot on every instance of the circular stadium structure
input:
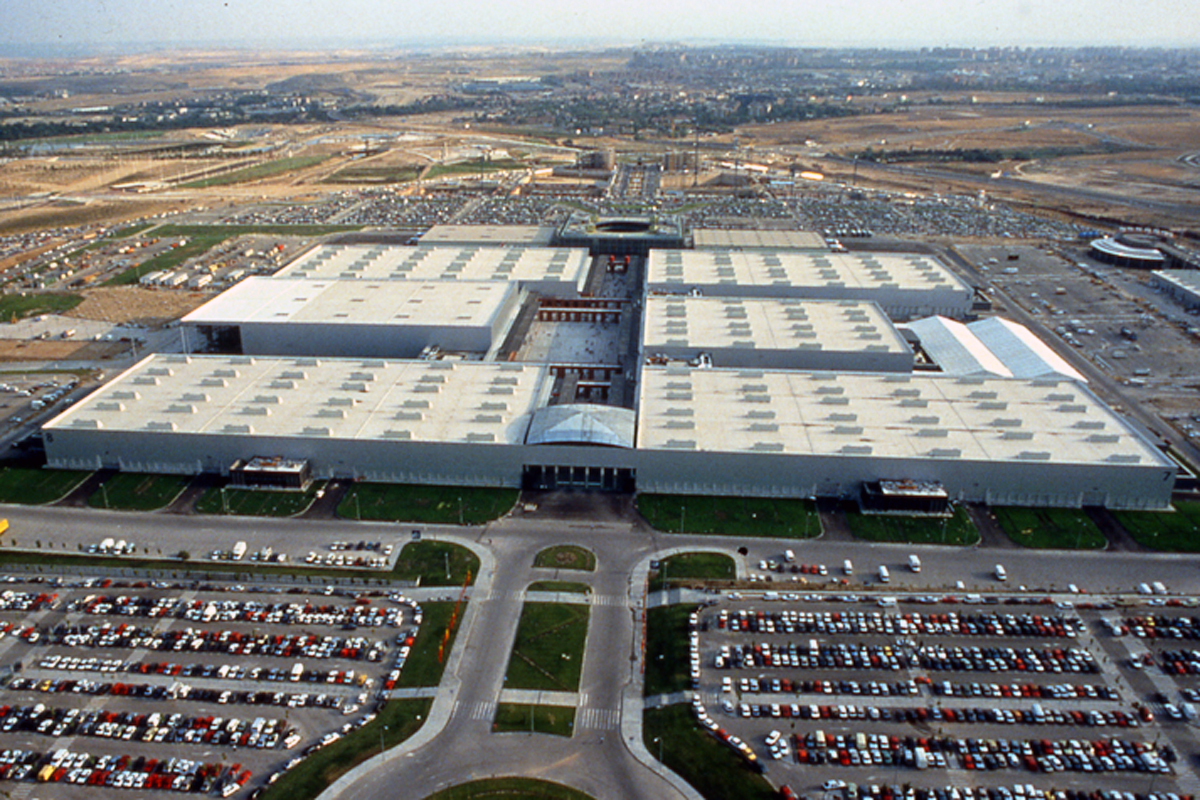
(1129, 250)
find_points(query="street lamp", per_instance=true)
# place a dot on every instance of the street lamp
(381, 732)
(659, 741)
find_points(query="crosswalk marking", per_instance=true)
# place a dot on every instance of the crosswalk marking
(476, 711)
(598, 719)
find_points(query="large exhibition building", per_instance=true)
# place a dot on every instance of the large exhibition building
(752, 371)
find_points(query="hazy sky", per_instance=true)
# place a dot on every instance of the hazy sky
(802, 23)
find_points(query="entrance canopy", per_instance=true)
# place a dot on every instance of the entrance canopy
(583, 423)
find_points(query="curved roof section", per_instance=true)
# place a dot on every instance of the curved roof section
(582, 423)
(1025, 355)
(1118, 249)
(955, 349)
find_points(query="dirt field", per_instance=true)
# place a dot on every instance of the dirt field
(132, 304)
(13, 350)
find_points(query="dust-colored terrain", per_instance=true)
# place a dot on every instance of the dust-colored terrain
(120, 304)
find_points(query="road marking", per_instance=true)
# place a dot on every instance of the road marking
(477, 711)
(599, 719)
(608, 600)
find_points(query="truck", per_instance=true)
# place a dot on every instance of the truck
(297, 672)
(848, 567)
(238, 551)
(1001, 573)
(884, 577)
(3, 525)
(914, 563)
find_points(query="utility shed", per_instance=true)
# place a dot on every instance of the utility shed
(1042, 442)
(773, 333)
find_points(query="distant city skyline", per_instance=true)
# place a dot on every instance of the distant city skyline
(74, 27)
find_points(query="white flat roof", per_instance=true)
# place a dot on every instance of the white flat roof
(1186, 279)
(488, 234)
(361, 399)
(883, 416)
(782, 269)
(355, 302)
(741, 239)
(768, 324)
(457, 263)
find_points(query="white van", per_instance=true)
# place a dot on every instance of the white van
(789, 556)
(848, 567)
(884, 577)
(1001, 574)
(914, 563)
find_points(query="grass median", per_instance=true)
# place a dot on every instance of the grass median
(569, 587)
(435, 640)
(566, 556)
(136, 491)
(548, 651)
(782, 518)
(527, 718)
(510, 789)
(711, 767)
(35, 487)
(1173, 531)
(434, 505)
(426, 564)
(693, 567)
(1050, 528)
(397, 720)
(667, 658)
(256, 502)
(956, 530)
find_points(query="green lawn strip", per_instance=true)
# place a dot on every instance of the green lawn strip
(557, 720)
(445, 505)
(1061, 528)
(473, 167)
(132, 230)
(712, 767)
(783, 518)
(235, 569)
(365, 174)
(509, 789)
(257, 172)
(566, 556)
(560, 586)
(693, 566)
(956, 530)
(33, 487)
(427, 562)
(423, 667)
(1173, 531)
(256, 502)
(202, 238)
(137, 491)
(667, 659)
(169, 259)
(397, 720)
(548, 650)
(18, 306)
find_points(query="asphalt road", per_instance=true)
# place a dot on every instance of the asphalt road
(605, 757)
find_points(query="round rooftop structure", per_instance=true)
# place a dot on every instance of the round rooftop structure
(1129, 250)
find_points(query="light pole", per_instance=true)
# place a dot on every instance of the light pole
(224, 502)
(447, 555)
(381, 732)
(104, 489)
(658, 740)
(460, 512)
(682, 516)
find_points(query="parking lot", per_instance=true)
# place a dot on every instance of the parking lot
(1001, 695)
(186, 687)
